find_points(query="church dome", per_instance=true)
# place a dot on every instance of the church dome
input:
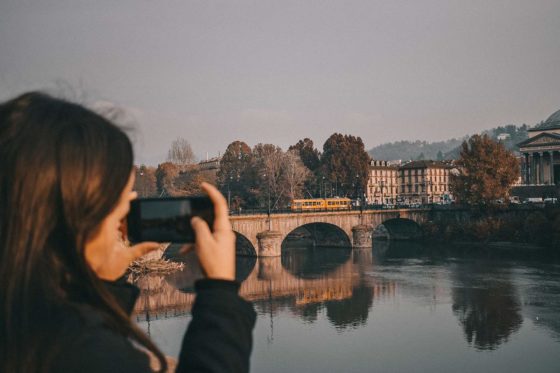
(554, 118)
(553, 122)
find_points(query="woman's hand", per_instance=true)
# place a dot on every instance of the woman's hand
(121, 257)
(215, 250)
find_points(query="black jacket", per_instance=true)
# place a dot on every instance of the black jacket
(218, 339)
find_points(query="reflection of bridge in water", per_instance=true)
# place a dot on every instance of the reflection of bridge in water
(269, 279)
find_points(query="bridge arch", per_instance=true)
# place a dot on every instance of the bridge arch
(317, 234)
(243, 246)
(398, 229)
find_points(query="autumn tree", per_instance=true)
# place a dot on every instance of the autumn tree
(268, 162)
(309, 155)
(181, 153)
(166, 173)
(486, 172)
(145, 181)
(311, 158)
(294, 175)
(187, 183)
(345, 161)
(236, 176)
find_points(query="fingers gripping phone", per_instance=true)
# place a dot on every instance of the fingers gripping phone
(167, 219)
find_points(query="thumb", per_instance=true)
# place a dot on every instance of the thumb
(143, 248)
(201, 229)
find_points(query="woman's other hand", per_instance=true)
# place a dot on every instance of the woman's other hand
(215, 250)
(105, 252)
(120, 258)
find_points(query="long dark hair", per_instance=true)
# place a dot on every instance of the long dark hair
(62, 171)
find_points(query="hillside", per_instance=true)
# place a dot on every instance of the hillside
(449, 149)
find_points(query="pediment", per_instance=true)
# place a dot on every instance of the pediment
(542, 139)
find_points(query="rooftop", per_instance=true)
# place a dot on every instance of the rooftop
(553, 122)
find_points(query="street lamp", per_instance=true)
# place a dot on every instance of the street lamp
(336, 186)
(268, 210)
(323, 185)
(229, 193)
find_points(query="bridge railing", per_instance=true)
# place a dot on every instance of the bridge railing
(264, 211)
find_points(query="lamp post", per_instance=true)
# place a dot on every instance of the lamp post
(323, 186)
(268, 209)
(336, 186)
(229, 193)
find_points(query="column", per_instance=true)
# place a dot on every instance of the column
(541, 168)
(362, 237)
(551, 153)
(269, 243)
(533, 169)
(527, 175)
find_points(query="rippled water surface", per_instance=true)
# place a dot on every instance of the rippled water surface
(338, 310)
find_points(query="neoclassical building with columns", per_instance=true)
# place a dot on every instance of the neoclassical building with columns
(541, 152)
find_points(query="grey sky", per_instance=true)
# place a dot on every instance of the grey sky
(263, 71)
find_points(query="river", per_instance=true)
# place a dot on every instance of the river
(409, 308)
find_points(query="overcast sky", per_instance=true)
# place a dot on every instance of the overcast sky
(278, 71)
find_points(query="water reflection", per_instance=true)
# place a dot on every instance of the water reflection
(343, 286)
(305, 281)
(487, 307)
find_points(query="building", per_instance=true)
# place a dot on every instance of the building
(210, 164)
(424, 182)
(503, 136)
(383, 183)
(541, 153)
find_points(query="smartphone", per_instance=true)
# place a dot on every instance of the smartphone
(167, 219)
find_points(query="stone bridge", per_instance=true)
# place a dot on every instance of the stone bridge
(262, 235)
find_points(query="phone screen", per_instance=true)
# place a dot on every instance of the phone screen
(167, 219)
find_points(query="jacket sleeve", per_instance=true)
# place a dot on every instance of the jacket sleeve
(219, 336)
(102, 350)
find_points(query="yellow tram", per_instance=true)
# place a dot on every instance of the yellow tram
(321, 204)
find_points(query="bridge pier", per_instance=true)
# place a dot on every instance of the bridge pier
(269, 243)
(362, 237)
(269, 268)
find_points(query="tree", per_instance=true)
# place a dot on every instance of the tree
(181, 153)
(486, 171)
(236, 176)
(295, 174)
(345, 162)
(308, 153)
(311, 159)
(145, 181)
(439, 156)
(166, 173)
(187, 183)
(267, 161)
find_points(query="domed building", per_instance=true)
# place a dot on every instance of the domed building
(542, 153)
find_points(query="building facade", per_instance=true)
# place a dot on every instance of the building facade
(424, 182)
(383, 183)
(541, 153)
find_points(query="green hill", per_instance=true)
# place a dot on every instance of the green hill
(510, 135)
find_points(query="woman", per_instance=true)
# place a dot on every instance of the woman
(65, 185)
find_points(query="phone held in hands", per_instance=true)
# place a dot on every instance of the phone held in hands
(167, 219)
